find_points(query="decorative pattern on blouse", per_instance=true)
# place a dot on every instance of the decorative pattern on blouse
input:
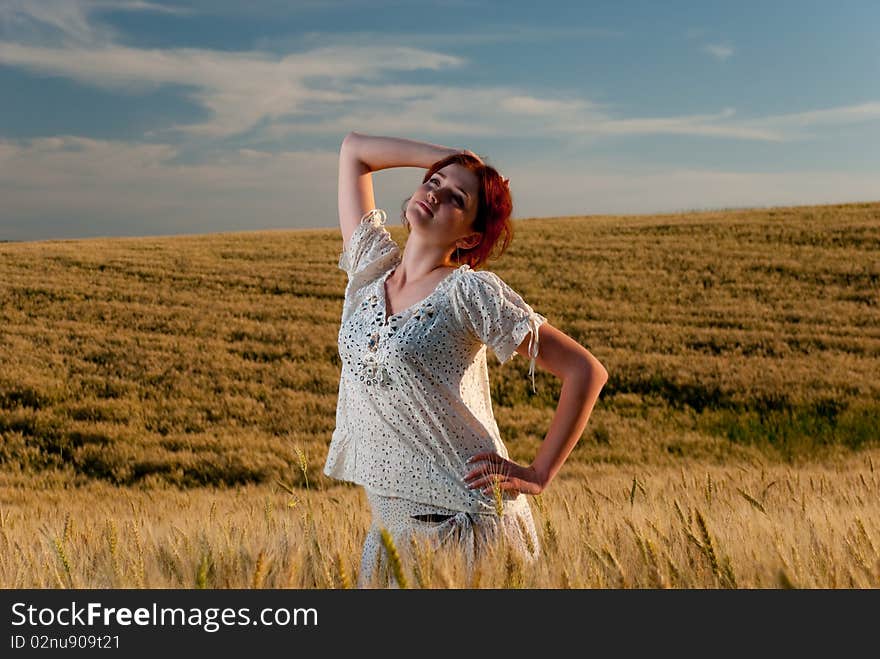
(373, 370)
(414, 399)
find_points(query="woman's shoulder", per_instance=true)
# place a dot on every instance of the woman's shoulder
(481, 280)
(475, 291)
(487, 289)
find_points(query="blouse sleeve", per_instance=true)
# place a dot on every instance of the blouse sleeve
(498, 316)
(370, 248)
(370, 251)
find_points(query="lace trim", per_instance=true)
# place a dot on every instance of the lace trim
(377, 217)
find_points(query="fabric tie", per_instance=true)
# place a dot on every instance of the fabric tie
(534, 324)
(462, 525)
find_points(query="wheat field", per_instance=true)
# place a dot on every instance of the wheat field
(157, 393)
(751, 525)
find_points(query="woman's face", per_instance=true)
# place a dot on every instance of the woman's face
(445, 204)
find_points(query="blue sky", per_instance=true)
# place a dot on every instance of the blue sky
(128, 117)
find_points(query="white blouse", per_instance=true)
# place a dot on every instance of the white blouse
(414, 399)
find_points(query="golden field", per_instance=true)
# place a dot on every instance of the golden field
(155, 393)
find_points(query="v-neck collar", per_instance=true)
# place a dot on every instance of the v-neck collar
(383, 298)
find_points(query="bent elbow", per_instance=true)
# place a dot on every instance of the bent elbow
(586, 370)
(348, 140)
(599, 373)
(594, 369)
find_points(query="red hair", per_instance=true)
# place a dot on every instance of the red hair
(494, 207)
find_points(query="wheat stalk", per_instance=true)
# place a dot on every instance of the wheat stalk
(754, 502)
(113, 543)
(344, 579)
(706, 544)
(68, 528)
(722, 570)
(62, 556)
(173, 561)
(657, 576)
(422, 565)
(549, 534)
(784, 580)
(291, 573)
(647, 555)
(393, 558)
(632, 493)
(259, 571)
(202, 572)
(497, 495)
(303, 464)
(267, 513)
(140, 571)
(513, 571)
(617, 566)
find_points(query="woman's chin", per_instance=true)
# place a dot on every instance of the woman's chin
(419, 219)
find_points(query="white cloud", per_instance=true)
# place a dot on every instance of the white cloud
(322, 91)
(72, 186)
(336, 84)
(243, 90)
(135, 5)
(135, 189)
(706, 125)
(69, 21)
(518, 34)
(848, 114)
(240, 89)
(45, 20)
(446, 110)
(719, 51)
(529, 105)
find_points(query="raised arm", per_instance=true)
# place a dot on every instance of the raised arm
(360, 155)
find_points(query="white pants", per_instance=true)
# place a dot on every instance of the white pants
(440, 527)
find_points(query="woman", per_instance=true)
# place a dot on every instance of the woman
(414, 422)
